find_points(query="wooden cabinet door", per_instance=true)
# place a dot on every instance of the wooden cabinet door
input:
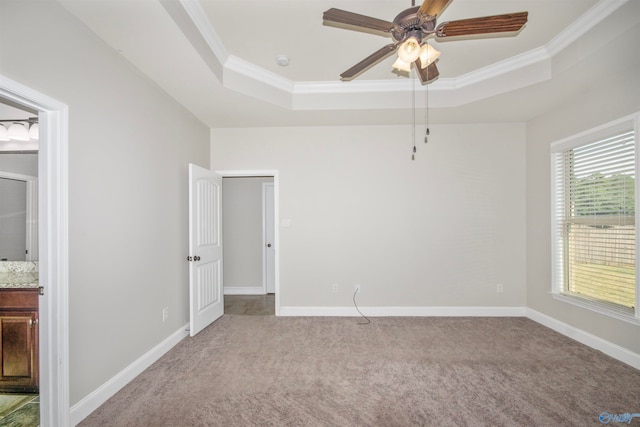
(19, 351)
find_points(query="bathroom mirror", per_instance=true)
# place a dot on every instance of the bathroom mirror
(18, 190)
(18, 217)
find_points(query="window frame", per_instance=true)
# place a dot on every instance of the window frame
(630, 122)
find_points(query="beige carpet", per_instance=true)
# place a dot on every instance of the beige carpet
(269, 371)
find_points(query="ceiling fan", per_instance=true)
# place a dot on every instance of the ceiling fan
(411, 29)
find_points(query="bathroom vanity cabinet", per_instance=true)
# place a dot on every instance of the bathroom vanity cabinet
(18, 340)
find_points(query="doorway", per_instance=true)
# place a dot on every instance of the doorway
(53, 247)
(18, 258)
(250, 241)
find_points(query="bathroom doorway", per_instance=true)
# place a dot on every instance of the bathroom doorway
(19, 313)
(53, 268)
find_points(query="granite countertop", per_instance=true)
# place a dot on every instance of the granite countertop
(18, 280)
(18, 274)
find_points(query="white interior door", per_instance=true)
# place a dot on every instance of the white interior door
(269, 238)
(206, 299)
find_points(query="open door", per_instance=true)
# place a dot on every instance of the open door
(206, 299)
(268, 230)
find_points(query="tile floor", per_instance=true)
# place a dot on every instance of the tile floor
(19, 410)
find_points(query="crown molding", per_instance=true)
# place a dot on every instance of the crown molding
(583, 25)
(249, 79)
(513, 73)
(202, 23)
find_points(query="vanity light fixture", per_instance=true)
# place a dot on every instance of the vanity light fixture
(19, 129)
(34, 131)
(18, 132)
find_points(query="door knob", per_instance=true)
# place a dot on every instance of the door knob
(196, 258)
(268, 245)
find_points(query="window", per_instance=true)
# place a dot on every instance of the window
(594, 218)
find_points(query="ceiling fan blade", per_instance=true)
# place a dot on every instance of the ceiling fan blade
(509, 22)
(370, 60)
(433, 7)
(343, 17)
(428, 73)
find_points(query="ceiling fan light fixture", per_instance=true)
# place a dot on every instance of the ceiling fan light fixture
(409, 50)
(400, 65)
(428, 55)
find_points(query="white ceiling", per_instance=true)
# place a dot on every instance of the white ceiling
(218, 59)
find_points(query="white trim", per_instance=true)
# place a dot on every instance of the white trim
(99, 396)
(583, 25)
(276, 216)
(200, 20)
(265, 226)
(608, 348)
(518, 71)
(605, 130)
(244, 290)
(53, 248)
(405, 311)
(598, 308)
(263, 201)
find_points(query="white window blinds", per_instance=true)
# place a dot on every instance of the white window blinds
(594, 184)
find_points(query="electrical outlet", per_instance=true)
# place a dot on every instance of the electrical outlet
(499, 288)
(335, 288)
(165, 314)
(357, 288)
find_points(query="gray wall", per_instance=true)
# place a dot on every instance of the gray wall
(242, 232)
(129, 146)
(614, 96)
(22, 163)
(442, 230)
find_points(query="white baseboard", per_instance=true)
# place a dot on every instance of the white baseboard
(608, 348)
(244, 290)
(91, 402)
(405, 311)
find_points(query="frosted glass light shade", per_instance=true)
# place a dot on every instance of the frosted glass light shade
(18, 132)
(428, 54)
(4, 134)
(400, 65)
(34, 131)
(409, 50)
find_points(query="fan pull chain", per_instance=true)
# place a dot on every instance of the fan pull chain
(426, 111)
(413, 129)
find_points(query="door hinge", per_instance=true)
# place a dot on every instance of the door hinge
(40, 290)
(189, 258)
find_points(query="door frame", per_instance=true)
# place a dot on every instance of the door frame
(53, 236)
(276, 216)
(265, 226)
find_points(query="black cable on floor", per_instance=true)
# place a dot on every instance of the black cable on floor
(356, 305)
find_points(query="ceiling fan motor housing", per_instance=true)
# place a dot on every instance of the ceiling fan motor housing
(408, 24)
